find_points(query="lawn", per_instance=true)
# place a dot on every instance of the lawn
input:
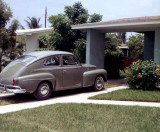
(82, 117)
(130, 95)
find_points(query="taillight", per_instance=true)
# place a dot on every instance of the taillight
(13, 83)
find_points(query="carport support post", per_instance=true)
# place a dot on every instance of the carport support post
(95, 48)
(149, 46)
(157, 47)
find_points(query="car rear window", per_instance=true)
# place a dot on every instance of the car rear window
(25, 58)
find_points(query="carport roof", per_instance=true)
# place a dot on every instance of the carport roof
(33, 31)
(129, 24)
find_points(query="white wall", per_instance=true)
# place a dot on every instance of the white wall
(32, 43)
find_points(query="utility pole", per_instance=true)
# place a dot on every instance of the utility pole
(45, 17)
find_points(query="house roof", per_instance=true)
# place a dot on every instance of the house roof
(126, 23)
(33, 31)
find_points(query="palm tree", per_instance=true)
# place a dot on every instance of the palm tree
(33, 22)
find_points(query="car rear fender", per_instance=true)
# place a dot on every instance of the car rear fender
(90, 76)
(30, 82)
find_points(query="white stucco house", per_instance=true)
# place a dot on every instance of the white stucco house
(32, 42)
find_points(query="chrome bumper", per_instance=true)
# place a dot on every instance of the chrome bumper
(11, 88)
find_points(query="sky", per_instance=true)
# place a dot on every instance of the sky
(110, 9)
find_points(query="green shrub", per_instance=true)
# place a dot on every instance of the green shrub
(142, 75)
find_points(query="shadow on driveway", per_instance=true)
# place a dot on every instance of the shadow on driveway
(21, 98)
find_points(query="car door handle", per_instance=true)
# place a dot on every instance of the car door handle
(64, 70)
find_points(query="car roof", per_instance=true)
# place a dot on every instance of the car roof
(42, 54)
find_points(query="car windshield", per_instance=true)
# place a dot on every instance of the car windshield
(25, 58)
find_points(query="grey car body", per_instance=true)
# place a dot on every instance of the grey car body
(59, 70)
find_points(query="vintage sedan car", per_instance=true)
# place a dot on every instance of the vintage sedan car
(42, 72)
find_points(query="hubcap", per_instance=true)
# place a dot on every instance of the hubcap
(99, 83)
(44, 90)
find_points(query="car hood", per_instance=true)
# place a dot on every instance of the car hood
(10, 72)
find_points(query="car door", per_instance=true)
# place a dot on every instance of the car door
(53, 66)
(72, 72)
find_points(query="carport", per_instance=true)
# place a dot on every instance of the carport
(150, 26)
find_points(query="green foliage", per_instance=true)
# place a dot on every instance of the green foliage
(33, 22)
(77, 13)
(60, 23)
(112, 55)
(142, 75)
(5, 14)
(136, 45)
(63, 38)
(44, 41)
(111, 45)
(80, 50)
(95, 18)
(122, 37)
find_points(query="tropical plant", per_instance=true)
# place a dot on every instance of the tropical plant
(33, 22)
(142, 75)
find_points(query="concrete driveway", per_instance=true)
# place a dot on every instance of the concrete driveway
(70, 96)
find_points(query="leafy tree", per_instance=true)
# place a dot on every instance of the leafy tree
(16, 47)
(122, 37)
(136, 45)
(80, 50)
(77, 13)
(112, 55)
(63, 38)
(8, 43)
(95, 18)
(5, 15)
(33, 22)
(111, 45)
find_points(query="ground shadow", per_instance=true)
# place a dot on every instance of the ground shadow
(21, 98)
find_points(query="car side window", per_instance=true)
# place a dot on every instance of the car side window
(52, 61)
(69, 60)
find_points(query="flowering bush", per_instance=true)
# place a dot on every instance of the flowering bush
(142, 75)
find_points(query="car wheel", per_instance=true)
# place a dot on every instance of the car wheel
(99, 83)
(43, 91)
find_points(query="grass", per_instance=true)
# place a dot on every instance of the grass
(82, 117)
(130, 95)
(109, 85)
(15, 99)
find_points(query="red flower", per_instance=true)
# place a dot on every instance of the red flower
(131, 79)
(138, 76)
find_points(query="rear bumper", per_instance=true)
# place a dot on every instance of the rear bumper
(12, 89)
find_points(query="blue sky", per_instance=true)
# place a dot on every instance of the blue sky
(110, 9)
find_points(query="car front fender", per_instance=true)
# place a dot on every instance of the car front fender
(30, 82)
(90, 76)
